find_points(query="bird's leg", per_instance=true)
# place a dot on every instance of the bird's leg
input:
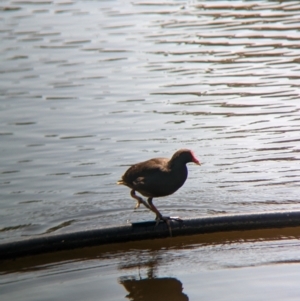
(159, 216)
(139, 200)
(154, 209)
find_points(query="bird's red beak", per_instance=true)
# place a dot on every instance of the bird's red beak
(195, 160)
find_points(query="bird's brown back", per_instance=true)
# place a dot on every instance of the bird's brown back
(155, 178)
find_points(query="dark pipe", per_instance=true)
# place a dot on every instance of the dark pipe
(148, 230)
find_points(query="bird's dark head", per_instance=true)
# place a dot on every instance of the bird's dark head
(184, 156)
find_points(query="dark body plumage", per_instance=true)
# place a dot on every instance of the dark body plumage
(158, 177)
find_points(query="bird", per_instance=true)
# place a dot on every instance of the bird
(158, 177)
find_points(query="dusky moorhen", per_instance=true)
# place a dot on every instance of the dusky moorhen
(158, 177)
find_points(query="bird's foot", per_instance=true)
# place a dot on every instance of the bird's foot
(167, 219)
(141, 201)
(176, 218)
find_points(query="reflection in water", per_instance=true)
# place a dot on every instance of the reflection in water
(151, 287)
(158, 289)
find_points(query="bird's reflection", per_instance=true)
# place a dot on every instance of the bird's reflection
(150, 287)
(158, 289)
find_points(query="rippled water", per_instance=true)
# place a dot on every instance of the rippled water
(90, 87)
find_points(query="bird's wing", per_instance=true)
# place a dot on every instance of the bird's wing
(143, 173)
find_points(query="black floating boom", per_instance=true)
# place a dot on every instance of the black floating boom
(148, 230)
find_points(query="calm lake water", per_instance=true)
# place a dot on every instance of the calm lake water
(89, 87)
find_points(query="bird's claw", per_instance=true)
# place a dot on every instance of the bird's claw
(176, 218)
(167, 220)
